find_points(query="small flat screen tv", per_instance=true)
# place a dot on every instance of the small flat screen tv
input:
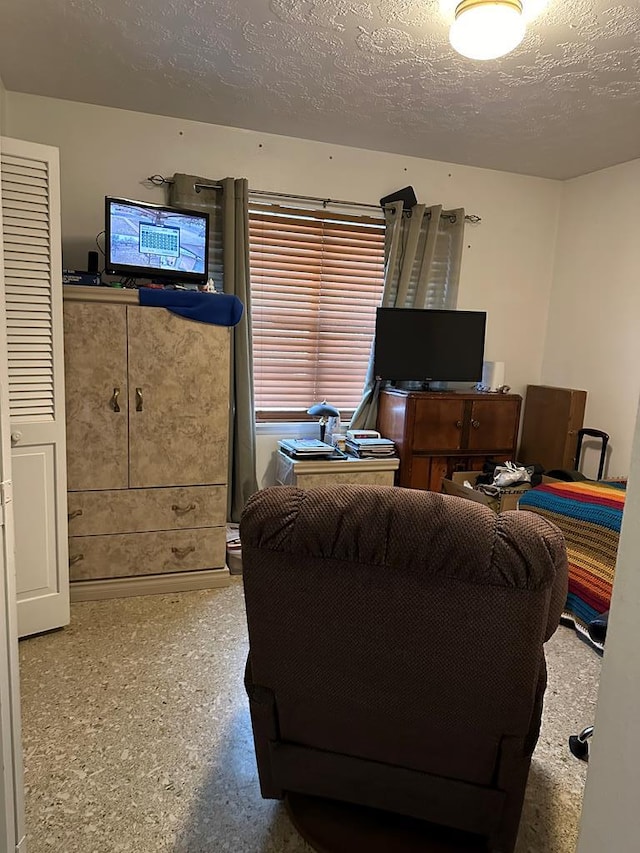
(426, 345)
(150, 241)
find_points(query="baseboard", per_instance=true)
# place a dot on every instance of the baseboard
(149, 584)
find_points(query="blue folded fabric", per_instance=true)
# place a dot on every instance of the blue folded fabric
(220, 309)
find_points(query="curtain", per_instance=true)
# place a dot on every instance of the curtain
(423, 253)
(227, 207)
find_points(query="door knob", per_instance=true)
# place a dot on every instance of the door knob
(459, 424)
(139, 399)
(16, 437)
(475, 424)
(114, 400)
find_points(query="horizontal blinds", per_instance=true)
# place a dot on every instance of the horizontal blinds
(316, 280)
(27, 271)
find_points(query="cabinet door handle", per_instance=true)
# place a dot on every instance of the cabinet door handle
(459, 424)
(75, 559)
(139, 399)
(475, 424)
(181, 510)
(114, 400)
(75, 514)
(182, 552)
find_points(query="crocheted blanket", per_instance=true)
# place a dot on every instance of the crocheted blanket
(589, 514)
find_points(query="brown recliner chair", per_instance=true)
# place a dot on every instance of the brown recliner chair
(396, 650)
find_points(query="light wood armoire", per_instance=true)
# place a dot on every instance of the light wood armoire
(147, 406)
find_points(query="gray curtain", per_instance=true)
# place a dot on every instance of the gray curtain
(229, 268)
(423, 252)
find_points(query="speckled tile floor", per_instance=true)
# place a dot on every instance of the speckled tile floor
(137, 738)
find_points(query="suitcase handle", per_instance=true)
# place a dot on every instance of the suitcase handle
(592, 433)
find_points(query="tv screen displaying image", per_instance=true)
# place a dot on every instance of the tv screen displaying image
(427, 345)
(151, 241)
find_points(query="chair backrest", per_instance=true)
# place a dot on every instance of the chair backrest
(399, 625)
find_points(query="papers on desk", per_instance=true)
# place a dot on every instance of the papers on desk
(306, 448)
(370, 447)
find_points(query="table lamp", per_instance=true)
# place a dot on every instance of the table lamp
(324, 411)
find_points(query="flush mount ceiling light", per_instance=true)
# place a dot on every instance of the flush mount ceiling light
(486, 29)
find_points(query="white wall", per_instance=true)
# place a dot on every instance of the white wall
(593, 337)
(508, 260)
(610, 807)
(3, 106)
(593, 342)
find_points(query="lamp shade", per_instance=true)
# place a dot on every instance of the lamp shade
(487, 29)
(323, 410)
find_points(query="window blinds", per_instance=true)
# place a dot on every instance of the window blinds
(28, 282)
(316, 280)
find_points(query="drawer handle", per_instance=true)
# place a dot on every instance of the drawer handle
(75, 514)
(139, 400)
(114, 400)
(181, 510)
(182, 552)
(475, 424)
(75, 559)
(459, 424)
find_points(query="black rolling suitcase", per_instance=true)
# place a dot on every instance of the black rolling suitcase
(575, 475)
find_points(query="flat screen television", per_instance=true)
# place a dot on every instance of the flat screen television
(428, 345)
(151, 241)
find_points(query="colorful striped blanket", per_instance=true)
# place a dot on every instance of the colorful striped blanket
(589, 514)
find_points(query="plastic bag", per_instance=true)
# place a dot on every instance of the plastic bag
(509, 474)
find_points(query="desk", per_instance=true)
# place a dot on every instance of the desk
(308, 473)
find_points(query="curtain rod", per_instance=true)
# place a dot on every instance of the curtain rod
(159, 180)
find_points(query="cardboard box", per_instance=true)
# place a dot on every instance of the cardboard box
(508, 500)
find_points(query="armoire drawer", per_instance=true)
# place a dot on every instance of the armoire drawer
(141, 510)
(128, 554)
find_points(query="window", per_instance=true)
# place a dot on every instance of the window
(316, 281)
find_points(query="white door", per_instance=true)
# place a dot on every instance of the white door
(33, 285)
(12, 836)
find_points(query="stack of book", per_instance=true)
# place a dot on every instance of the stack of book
(370, 447)
(306, 448)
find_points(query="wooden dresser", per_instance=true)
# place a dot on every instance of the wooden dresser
(147, 406)
(437, 433)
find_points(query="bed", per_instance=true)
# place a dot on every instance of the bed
(589, 514)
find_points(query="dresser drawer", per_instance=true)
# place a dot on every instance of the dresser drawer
(129, 554)
(140, 510)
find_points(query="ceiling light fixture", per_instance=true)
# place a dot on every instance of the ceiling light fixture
(487, 29)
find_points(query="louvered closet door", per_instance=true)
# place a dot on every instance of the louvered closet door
(33, 284)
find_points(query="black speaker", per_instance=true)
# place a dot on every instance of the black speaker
(406, 195)
(92, 262)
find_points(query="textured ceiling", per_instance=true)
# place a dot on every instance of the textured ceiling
(377, 74)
